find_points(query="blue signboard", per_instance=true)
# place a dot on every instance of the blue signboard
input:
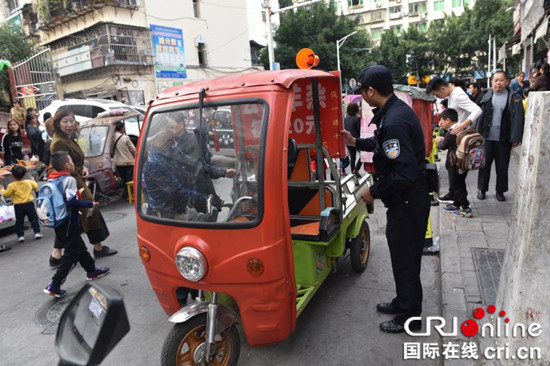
(169, 52)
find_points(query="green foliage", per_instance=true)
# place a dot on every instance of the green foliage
(454, 45)
(14, 46)
(319, 28)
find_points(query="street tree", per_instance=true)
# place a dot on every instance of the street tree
(319, 27)
(14, 46)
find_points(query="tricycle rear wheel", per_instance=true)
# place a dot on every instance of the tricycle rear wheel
(360, 249)
(184, 342)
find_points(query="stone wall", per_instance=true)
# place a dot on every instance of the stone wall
(524, 291)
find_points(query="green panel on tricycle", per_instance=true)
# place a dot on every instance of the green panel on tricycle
(309, 262)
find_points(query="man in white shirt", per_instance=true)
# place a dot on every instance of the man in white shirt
(468, 114)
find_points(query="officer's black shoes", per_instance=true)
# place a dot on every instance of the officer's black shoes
(389, 308)
(481, 195)
(397, 325)
(500, 197)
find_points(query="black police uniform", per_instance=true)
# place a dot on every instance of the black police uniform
(398, 147)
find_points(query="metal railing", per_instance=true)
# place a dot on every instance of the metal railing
(103, 45)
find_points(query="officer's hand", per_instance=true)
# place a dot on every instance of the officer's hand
(515, 144)
(439, 138)
(230, 173)
(367, 197)
(349, 140)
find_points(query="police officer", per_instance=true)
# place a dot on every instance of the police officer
(398, 147)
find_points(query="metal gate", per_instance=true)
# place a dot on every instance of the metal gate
(35, 80)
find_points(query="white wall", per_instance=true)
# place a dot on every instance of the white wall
(222, 25)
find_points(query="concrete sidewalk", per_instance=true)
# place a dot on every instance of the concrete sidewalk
(472, 250)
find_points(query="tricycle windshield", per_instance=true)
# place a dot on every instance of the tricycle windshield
(92, 140)
(202, 171)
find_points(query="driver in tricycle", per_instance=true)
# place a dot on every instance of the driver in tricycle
(177, 176)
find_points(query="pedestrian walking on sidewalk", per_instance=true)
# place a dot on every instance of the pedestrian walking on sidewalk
(398, 146)
(123, 155)
(502, 126)
(352, 124)
(468, 114)
(64, 126)
(448, 119)
(68, 233)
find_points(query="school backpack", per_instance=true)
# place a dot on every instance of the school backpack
(51, 207)
(470, 152)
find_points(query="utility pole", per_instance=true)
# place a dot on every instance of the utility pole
(268, 12)
(339, 44)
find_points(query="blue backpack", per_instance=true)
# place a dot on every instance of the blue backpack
(51, 207)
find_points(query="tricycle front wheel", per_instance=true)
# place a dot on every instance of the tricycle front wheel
(186, 342)
(360, 249)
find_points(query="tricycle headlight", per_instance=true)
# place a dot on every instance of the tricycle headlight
(191, 264)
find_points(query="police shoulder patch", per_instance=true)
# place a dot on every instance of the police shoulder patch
(391, 148)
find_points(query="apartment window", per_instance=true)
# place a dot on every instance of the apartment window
(420, 26)
(377, 16)
(395, 10)
(196, 9)
(439, 5)
(376, 33)
(203, 62)
(457, 3)
(354, 3)
(396, 29)
(417, 8)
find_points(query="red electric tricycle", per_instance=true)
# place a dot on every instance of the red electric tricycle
(255, 230)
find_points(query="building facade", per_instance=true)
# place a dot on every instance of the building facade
(531, 37)
(130, 50)
(377, 16)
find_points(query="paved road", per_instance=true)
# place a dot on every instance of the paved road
(339, 327)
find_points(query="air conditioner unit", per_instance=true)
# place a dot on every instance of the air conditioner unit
(398, 1)
(423, 15)
(378, 5)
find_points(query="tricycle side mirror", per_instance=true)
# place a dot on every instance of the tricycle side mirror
(91, 326)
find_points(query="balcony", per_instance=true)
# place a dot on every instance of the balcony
(101, 46)
(52, 13)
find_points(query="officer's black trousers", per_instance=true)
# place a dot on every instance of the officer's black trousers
(500, 152)
(405, 231)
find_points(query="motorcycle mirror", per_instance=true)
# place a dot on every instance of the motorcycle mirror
(91, 326)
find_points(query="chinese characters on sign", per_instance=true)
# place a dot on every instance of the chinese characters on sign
(302, 120)
(169, 52)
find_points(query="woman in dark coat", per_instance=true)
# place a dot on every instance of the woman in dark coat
(64, 126)
(352, 124)
(35, 136)
(543, 81)
(12, 144)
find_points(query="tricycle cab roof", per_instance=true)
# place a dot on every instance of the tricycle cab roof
(284, 78)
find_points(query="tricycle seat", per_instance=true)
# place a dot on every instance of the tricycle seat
(322, 228)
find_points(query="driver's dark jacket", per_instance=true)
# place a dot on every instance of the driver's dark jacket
(176, 177)
(398, 177)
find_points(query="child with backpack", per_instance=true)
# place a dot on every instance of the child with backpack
(57, 207)
(448, 119)
(20, 190)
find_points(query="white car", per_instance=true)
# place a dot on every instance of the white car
(86, 109)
